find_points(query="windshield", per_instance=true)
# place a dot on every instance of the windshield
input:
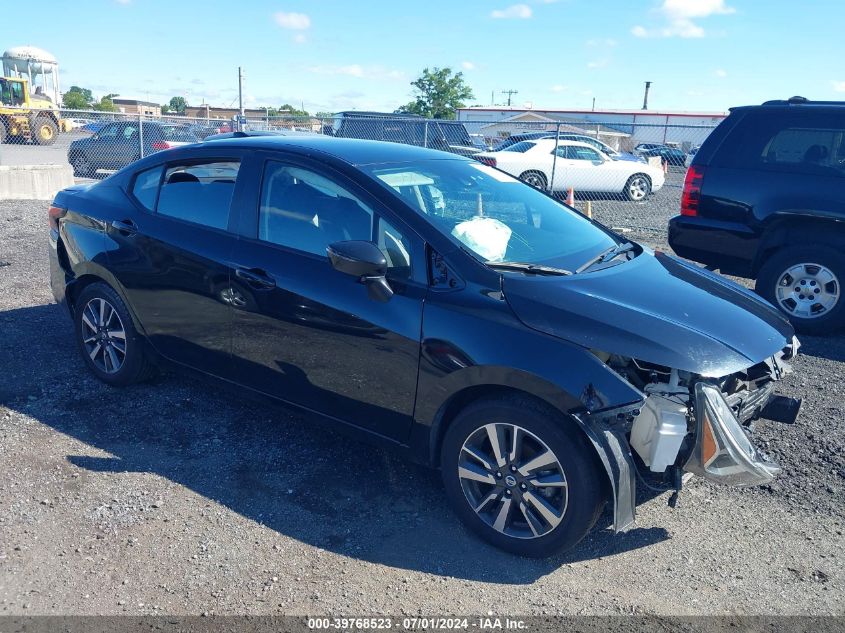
(492, 214)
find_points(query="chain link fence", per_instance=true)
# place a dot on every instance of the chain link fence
(594, 165)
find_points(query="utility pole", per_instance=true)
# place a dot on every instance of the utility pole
(510, 93)
(241, 90)
(645, 97)
(594, 104)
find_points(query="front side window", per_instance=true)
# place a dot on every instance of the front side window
(493, 214)
(199, 192)
(306, 211)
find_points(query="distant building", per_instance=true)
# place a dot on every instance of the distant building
(135, 106)
(206, 111)
(641, 126)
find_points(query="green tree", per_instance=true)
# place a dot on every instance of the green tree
(78, 98)
(438, 93)
(177, 105)
(289, 110)
(106, 104)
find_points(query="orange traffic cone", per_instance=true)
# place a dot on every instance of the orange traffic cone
(570, 197)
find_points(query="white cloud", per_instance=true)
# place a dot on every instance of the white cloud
(467, 65)
(598, 63)
(558, 88)
(721, 73)
(123, 2)
(293, 21)
(300, 38)
(678, 16)
(515, 11)
(360, 72)
(838, 86)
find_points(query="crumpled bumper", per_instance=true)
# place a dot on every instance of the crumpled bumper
(722, 452)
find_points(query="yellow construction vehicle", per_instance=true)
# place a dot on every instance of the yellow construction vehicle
(25, 117)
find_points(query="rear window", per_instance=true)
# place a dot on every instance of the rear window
(798, 141)
(521, 147)
(200, 193)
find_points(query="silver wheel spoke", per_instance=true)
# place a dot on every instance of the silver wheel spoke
(491, 497)
(93, 353)
(118, 334)
(87, 322)
(554, 480)
(546, 458)
(516, 443)
(502, 517)
(476, 454)
(469, 472)
(102, 321)
(541, 506)
(115, 363)
(528, 519)
(497, 441)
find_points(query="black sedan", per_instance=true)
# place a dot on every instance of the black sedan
(120, 143)
(673, 156)
(434, 304)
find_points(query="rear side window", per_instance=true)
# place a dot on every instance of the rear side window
(803, 142)
(145, 187)
(521, 147)
(200, 192)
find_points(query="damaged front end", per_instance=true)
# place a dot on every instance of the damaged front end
(688, 423)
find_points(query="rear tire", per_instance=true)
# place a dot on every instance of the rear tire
(44, 130)
(805, 283)
(637, 188)
(109, 343)
(534, 511)
(536, 179)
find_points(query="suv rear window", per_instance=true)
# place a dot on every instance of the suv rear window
(797, 141)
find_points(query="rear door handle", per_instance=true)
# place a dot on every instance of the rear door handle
(126, 227)
(255, 277)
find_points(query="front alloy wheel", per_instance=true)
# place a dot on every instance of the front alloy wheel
(522, 475)
(513, 481)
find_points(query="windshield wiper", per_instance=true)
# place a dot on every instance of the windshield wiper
(606, 256)
(530, 269)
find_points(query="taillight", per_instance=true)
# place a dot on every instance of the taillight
(487, 160)
(53, 216)
(692, 190)
(161, 145)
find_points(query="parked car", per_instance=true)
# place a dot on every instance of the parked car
(410, 129)
(673, 156)
(94, 126)
(642, 148)
(75, 124)
(763, 199)
(577, 165)
(120, 143)
(435, 305)
(604, 148)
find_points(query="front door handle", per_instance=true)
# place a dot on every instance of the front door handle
(125, 227)
(255, 277)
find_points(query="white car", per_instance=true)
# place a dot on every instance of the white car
(576, 165)
(75, 124)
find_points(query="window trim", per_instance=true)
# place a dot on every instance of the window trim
(231, 227)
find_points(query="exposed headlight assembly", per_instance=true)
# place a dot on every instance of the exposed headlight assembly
(722, 452)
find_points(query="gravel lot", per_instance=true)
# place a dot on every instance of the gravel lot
(175, 498)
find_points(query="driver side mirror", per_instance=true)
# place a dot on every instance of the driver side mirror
(365, 261)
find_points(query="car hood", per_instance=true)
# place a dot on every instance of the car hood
(657, 309)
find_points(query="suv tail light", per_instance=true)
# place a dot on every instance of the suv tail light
(161, 145)
(487, 160)
(53, 216)
(692, 190)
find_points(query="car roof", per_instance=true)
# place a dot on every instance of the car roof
(353, 151)
(793, 102)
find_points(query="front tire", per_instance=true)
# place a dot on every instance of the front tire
(805, 283)
(521, 476)
(81, 166)
(109, 343)
(637, 188)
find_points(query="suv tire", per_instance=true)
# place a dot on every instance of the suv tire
(534, 511)
(800, 280)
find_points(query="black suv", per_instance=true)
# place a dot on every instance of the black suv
(764, 199)
(410, 129)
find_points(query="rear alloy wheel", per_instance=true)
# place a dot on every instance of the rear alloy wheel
(521, 477)
(637, 188)
(535, 179)
(805, 283)
(108, 341)
(44, 130)
(81, 166)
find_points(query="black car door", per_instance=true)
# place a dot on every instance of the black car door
(308, 334)
(170, 250)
